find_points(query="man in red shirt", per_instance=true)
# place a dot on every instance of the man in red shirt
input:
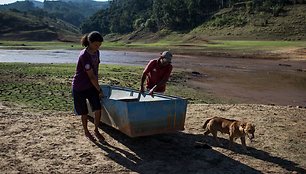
(157, 73)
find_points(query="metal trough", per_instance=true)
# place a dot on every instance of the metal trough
(140, 115)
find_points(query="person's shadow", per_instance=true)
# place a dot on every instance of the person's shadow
(179, 153)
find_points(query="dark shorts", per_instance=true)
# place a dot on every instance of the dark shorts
(79, 99)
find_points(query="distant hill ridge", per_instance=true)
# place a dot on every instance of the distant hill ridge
(16, 25)
(149, 21)
(71, 11)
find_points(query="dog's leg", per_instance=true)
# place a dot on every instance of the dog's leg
(231, 138)
(206, 132)
(243, 144)
(215, 134)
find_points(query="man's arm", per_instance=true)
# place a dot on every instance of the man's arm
(143, 78)
(144, 74)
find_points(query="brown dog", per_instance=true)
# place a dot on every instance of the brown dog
(235, 129)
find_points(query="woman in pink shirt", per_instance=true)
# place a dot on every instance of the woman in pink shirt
(85, 84)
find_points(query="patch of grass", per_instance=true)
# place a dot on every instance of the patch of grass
(48, 86)
(255, 45)
(38, 86)
(179, 47)
(217, 46)
(39, 45)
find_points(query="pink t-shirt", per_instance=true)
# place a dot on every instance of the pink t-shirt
(86, 62)
(155, 73)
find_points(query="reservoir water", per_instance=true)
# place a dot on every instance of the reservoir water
(71, 56)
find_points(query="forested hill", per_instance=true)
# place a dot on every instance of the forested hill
(16, 25)
(143, 16)
(151, 20)
(71, 11)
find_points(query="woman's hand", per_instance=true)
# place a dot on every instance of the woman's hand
(101, 95)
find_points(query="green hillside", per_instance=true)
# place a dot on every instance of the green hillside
(237, 23)
(151, 21)
(230, 24)
(73, 12)
(17, 25)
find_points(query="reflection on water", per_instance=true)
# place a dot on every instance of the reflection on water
(71, 56)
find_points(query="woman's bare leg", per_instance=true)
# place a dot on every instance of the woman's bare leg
(97, 122)
(87, 133)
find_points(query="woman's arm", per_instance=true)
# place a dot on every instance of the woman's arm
(94, 80)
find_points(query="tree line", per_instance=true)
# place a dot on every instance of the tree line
(125, 16)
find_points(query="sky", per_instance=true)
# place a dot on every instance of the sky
(11, 1)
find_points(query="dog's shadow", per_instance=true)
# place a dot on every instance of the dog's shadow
(168, 153)
(177, 153)
(258, 154)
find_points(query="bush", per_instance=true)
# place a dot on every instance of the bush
(138, 23)
(151, 25)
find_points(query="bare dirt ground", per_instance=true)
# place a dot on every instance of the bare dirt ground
(50, 142)
(279, 78)
(53, 142)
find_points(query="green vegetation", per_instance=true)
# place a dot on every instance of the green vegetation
(48, 86)
(126, 16)
(39, 45)
(254, 46)
(222, 44)
(18, 25)
(237, 48)
(149, 21)
(73, 12)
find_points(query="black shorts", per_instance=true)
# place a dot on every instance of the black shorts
(79, 99)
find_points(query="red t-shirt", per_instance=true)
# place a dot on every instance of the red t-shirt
(155, 73)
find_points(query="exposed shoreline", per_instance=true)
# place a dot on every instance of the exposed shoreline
(53, 142)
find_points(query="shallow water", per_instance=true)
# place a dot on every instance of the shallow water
(71, 56)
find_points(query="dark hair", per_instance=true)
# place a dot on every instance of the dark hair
(93, 36)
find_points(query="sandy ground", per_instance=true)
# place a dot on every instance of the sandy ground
(53, 142)
(48, 142)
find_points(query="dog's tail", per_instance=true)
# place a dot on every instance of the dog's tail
(206, 122)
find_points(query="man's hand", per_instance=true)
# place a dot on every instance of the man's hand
(151, 92)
